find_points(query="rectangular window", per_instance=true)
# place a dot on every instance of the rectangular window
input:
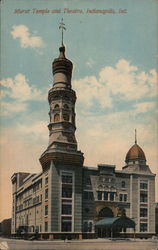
(66, 208)
(46, 226)
(66, 224)
(112, 196)
(143, 212)
(66, 178)
(66, 191)
(105, 196)
(46, 210)
(46, 180)
(143, 185)
(143, 197)
(125, 197)
(99, 195)
(121, 197)
(46, 193)
(143, 227)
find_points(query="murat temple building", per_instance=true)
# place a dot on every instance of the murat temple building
(68, 199)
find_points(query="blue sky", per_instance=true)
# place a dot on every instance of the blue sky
(115, 61)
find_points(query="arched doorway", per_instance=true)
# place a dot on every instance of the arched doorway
(105, 212)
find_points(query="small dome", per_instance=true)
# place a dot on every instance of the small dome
(135, 153)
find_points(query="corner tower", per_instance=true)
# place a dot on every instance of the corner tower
(62, 162)
(61, 97)
(142, 190)
(136, 160)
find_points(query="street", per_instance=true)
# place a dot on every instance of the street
(97, 244)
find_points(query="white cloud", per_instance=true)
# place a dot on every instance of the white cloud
(36, 129)
(14, 107)
(123, 82)
(88, 89)
(19, 89)
(144, 107)
(107, 138)
(128, 82)
(26, 38)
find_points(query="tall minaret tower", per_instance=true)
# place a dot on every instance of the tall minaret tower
(61, 162)
(61, 97)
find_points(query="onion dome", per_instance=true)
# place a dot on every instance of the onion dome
(135, 153)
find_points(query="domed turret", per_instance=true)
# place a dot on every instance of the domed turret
(135, 153)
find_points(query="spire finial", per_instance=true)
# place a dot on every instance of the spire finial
(135, 136)
(62, 27)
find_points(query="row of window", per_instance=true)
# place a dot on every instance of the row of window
(32, 228)
(143, 185)
(110, 196)
(66, 223)
(36, 187)
(88, 181)
(29, 202)
(106, 196)
(65, 106)
(66, 117)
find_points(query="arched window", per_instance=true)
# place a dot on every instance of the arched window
(66, 106)
(123, 184)
(106, 212)
(66, 117)
(56, 106)
(56, 118)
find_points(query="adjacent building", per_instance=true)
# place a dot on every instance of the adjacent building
(68, 199)
(5, 227)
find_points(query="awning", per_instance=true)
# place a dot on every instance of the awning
(120, 222)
